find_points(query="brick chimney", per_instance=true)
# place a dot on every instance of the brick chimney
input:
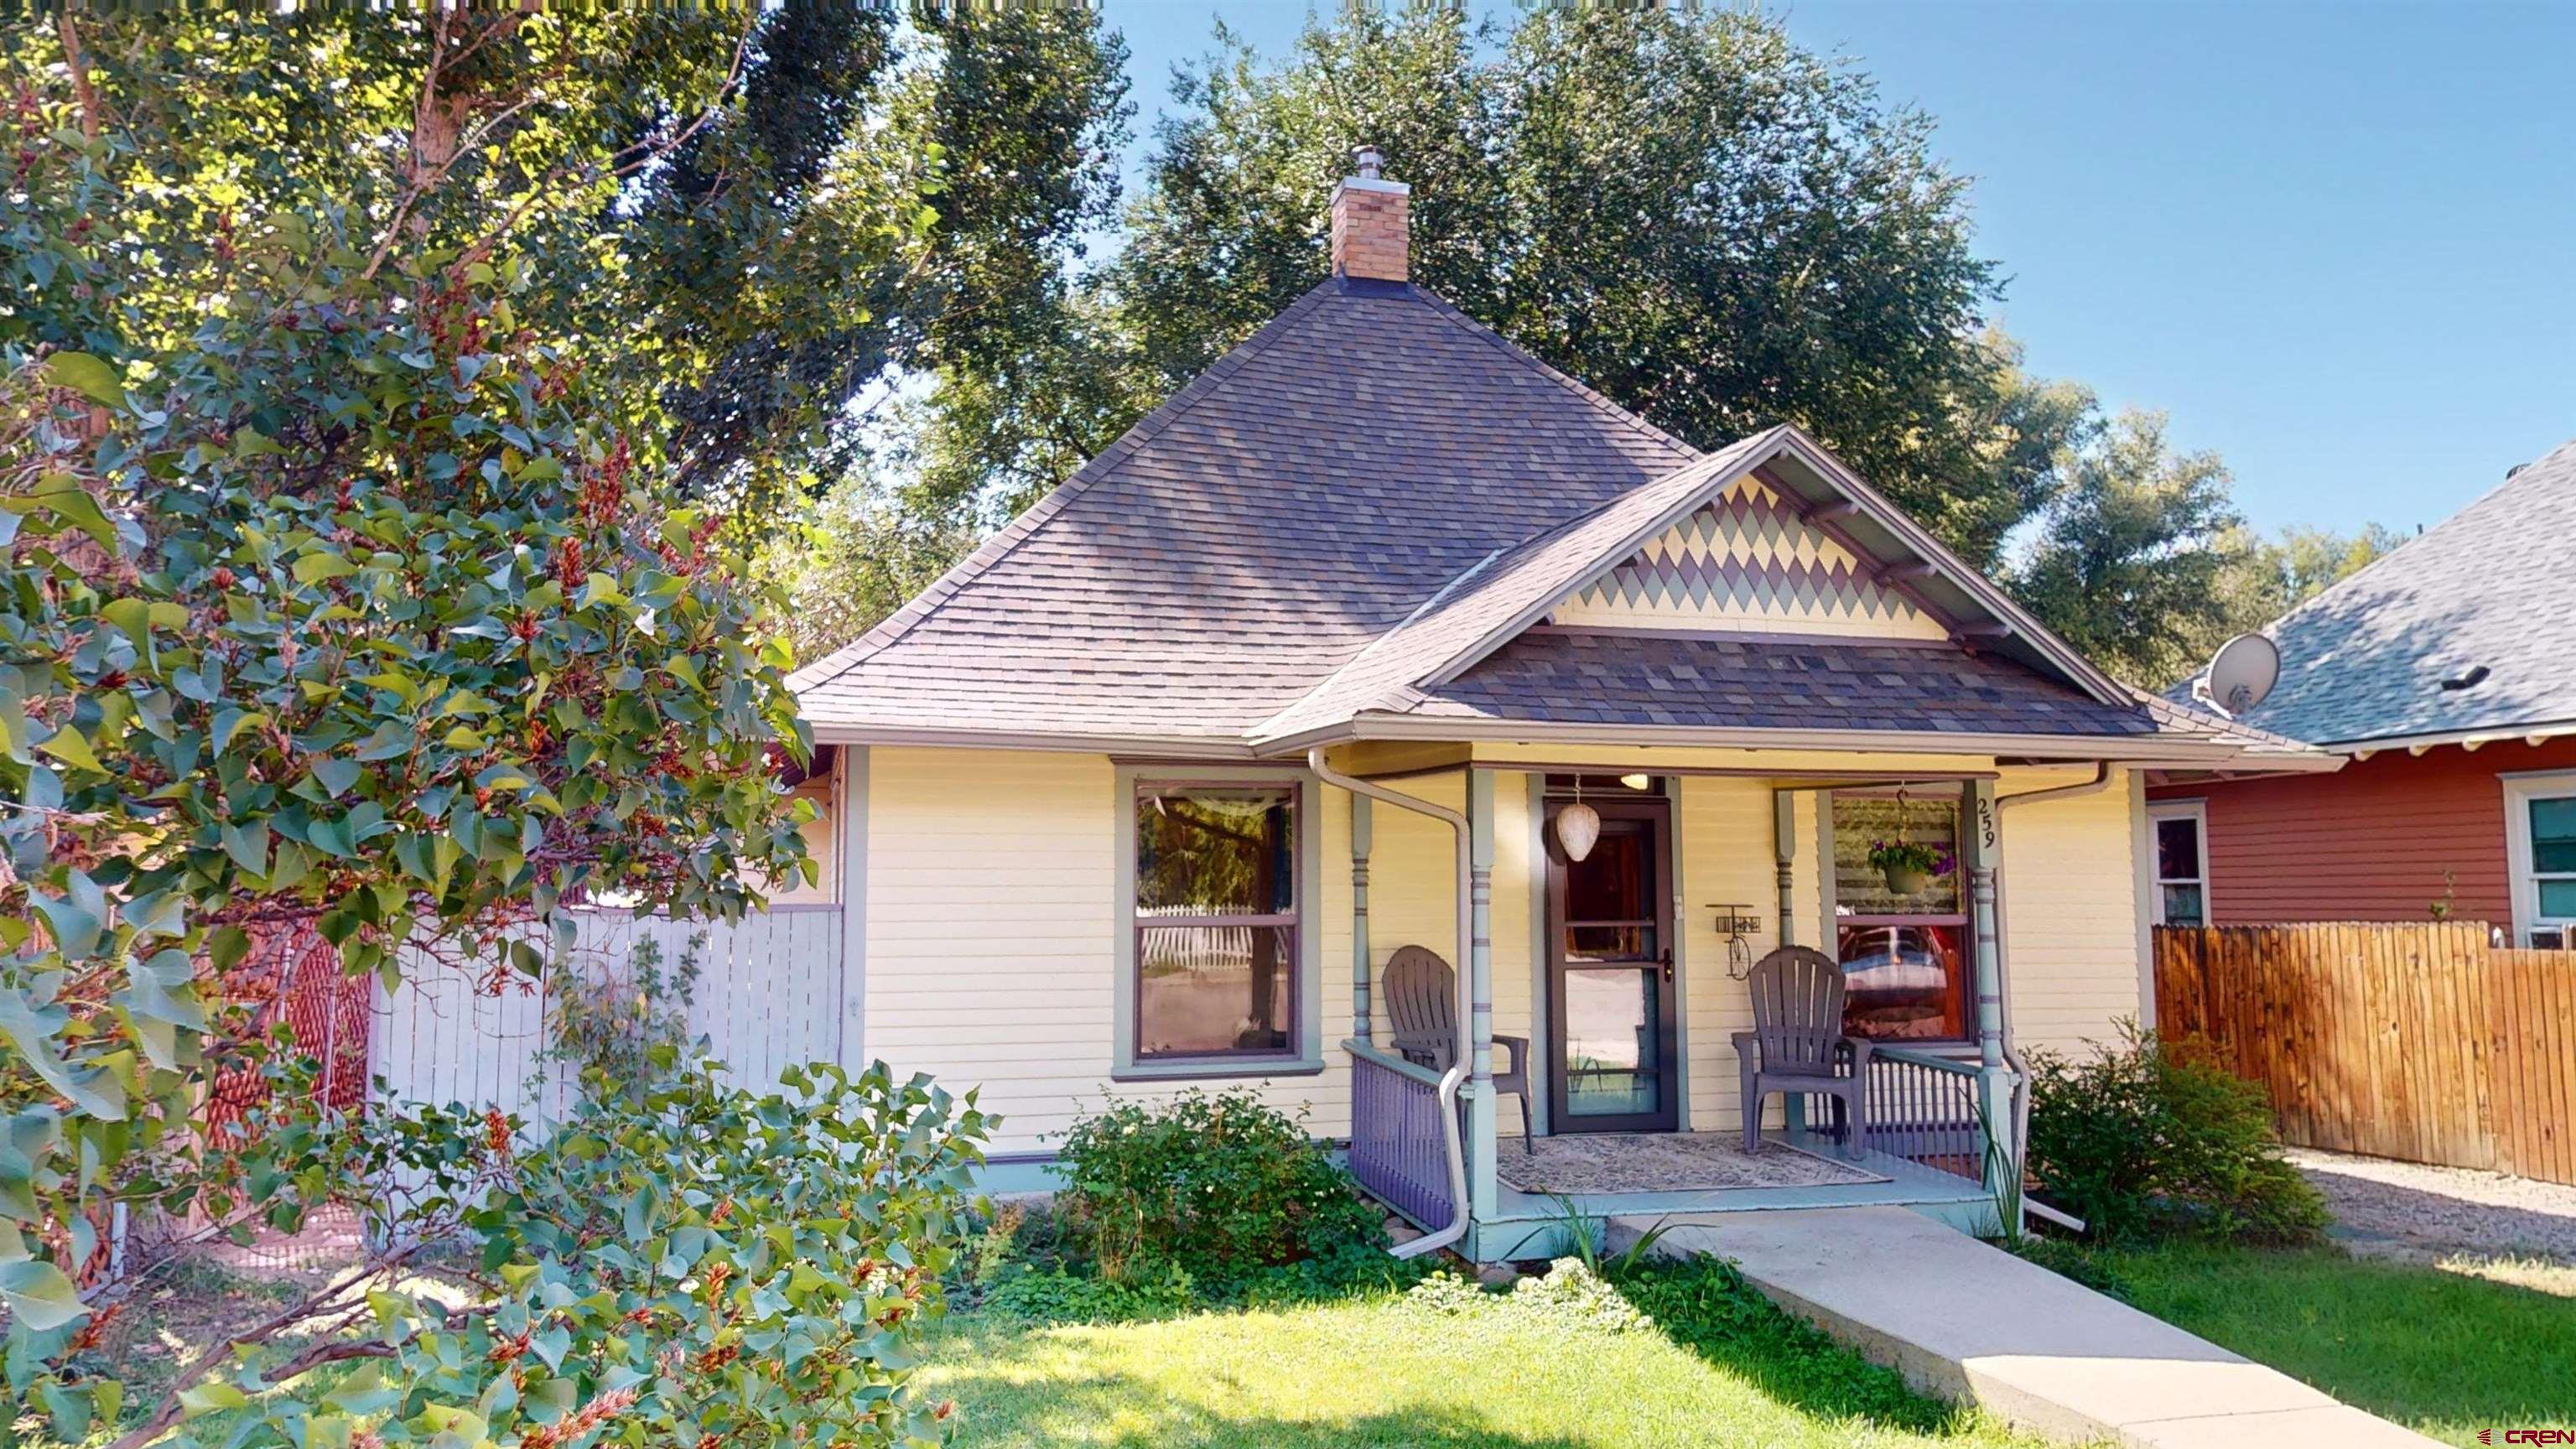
(1370, 222)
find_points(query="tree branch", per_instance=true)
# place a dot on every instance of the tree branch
(93, 114)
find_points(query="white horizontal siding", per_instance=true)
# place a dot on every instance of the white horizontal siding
(992, 920)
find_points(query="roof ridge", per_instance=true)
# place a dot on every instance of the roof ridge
(1450, 312)
(998, 547)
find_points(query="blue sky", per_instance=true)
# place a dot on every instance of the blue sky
(2333, 241)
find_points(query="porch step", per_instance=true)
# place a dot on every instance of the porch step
(1974, 1324)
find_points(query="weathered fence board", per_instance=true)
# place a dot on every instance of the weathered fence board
(2419, 1042)
(768, 995)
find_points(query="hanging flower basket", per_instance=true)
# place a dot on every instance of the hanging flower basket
(1909, 865)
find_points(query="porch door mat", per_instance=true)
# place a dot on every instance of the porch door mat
(1665, 1162)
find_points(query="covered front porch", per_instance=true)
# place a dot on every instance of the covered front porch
(1597, 1017)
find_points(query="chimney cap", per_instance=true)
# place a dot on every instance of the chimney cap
(1368, 161)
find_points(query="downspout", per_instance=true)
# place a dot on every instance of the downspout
(2003, 986)
(1462, 1054)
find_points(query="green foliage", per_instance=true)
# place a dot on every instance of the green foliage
(622, 1025)
(1217, 1185)
(1716, 228)
(1572, 1295)
(366, 572)
(2148, 1138)
(2447, 1350)
(1059, 1295)
(699, 1261)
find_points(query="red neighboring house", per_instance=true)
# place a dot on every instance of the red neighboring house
(2447, 671)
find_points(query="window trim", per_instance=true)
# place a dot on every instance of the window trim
(2158, 811)
(1305, 1054)
(2520, 789)
(1962, 920)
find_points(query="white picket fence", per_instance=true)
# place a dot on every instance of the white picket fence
(769, 994)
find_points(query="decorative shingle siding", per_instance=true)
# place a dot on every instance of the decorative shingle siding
(1746, 560)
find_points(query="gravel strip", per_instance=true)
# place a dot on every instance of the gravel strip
(2442, 1209)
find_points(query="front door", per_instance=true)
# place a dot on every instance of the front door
(1611, 1065)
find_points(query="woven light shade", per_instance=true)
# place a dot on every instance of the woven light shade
(1577, 826)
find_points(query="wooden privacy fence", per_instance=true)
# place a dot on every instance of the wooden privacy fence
(768, 995)
(2418, 1042)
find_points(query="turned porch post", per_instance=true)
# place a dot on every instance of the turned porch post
(1482, 1188)
(1784, 846)
(1983, 857)
(1361, 1011)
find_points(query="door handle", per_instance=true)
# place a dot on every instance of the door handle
(1666, 960)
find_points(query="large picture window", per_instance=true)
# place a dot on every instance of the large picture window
(1905, 954)
(1216, 951)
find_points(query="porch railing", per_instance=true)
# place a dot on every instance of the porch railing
(1399, 1145)
(1923, 1108)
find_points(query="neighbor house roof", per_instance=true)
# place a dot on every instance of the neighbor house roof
(2489, 589)
(1348, 526)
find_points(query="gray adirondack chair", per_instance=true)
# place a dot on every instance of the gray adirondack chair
(1797, 1042)
(1422, 1002)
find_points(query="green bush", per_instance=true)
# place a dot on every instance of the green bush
(2150, 1138)
(1218, 1185)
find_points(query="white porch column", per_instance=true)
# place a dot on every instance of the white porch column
(1361, 1011)
(1482, 1188)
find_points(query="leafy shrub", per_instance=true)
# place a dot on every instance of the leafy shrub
(2150, 1138)
(1218, 1185)
(1054, 1295)
(1571, 1294)
(704, 1264)
(625, 1024)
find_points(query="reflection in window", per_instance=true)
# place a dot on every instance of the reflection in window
(1216, 920)
(2180, 892)
(2553, 855)
(1905, 957)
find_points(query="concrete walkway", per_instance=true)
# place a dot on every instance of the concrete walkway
(1972, 1323)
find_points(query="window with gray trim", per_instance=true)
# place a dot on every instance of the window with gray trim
(1216, 921)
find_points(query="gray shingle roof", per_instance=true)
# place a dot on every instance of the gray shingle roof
(2491, 585)
(1355, 506)
(1708, 681)
(1246, 539)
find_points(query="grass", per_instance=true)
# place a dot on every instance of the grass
(1443, 1366)
(2447, 1349)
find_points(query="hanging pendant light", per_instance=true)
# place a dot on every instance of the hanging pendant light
(1578, 825)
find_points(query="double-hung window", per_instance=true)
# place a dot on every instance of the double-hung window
(2182, 862)
(2540, 827)
(1214, 929)
(1905, 955)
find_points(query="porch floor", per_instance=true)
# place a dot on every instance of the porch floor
(1530, 1224)
(1665, 1162)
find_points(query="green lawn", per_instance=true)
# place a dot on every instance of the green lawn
(2445, 1350)
(1716, 1366)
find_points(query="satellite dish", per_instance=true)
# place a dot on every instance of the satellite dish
(2242, 672)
